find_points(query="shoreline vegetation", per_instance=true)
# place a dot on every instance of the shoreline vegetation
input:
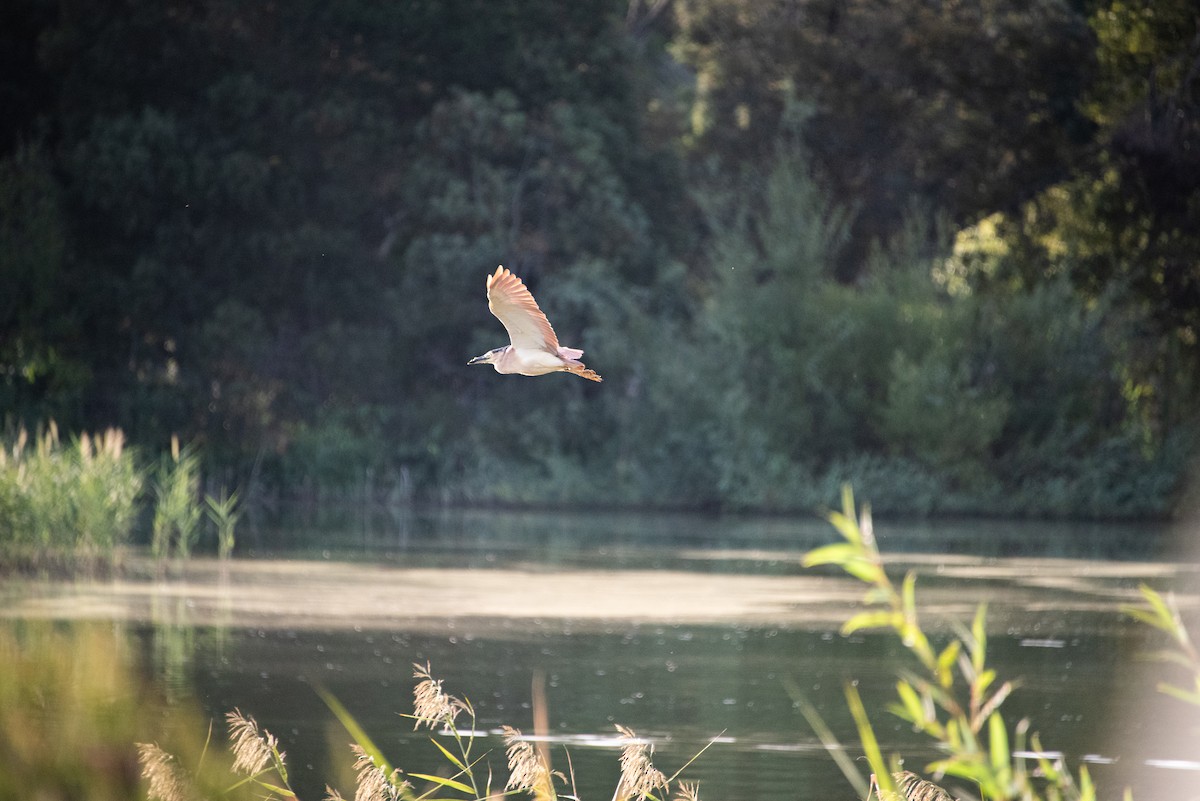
(76, 505)
(82, 499)
(79, 502)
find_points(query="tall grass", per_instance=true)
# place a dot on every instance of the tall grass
(224, 514)
(953, 696)
(177, 511)
(467, 775)
(77, 503)
(77, 499)
(71, 708)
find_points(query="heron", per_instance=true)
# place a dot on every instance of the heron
(534, 348)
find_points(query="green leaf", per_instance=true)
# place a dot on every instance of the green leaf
(453, 785)
(998, 745)
(979, 635)
(870, 620)
(453, 759)
(1087, 790)
(945, 663)
(909, 594)
(355, 731)
(866, 571)
(983, 681)
(836, 554)
(866, 736)
(1190, 696)
(283, 791)
(828, 740)
(848, 500)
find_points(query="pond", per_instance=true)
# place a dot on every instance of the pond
(683, 628)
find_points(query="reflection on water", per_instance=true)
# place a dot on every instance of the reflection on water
(683, 629)
(482, 537)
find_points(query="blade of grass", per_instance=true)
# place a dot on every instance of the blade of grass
(866, 735)
(828, 740)
(355, 731)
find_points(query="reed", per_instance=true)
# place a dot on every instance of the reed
(74, 502)
(72, 707)
(467, 776)
(177, 511)
(1163, 614)
(953, 696)
(224, 514)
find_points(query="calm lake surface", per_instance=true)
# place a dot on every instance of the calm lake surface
(682, 628)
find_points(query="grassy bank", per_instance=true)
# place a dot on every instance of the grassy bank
(80, 502)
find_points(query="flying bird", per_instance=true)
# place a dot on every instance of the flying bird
(534, 349)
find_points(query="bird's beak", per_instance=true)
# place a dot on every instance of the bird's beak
(479, 360)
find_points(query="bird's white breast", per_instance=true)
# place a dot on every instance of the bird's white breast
(526, 361)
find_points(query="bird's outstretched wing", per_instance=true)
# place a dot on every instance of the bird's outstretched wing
(512, 304)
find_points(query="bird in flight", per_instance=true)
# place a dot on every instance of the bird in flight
(534, 349)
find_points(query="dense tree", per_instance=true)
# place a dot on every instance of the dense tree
(804, 241)
(966, 107)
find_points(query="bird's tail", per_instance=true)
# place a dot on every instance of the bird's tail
(569, 353)
(582, 372)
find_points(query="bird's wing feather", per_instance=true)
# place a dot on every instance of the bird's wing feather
(512, 304)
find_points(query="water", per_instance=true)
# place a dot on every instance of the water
(681, 628)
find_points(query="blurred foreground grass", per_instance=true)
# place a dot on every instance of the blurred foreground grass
(72, 707)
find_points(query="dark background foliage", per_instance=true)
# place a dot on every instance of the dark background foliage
(950, 251)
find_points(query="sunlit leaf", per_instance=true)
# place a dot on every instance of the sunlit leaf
(909, 595)
(1190, 696)
(983, 681)
(870, 620)
(878, 595)
(864, 571)
(444, 782)
(1087, 790)
(355, 731)
(280, 791)
(998, 748)
(870, 745)
(835, 554)
(847, 526)
(945, 663)
(979, 636)
(828, 740)
(453, 759)
(913, 708)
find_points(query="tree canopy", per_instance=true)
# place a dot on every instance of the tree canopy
(949, 247)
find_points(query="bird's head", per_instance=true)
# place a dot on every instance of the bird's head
(489, 357)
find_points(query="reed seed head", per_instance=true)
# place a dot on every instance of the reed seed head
(432, 705)
(253, 748)
(639, 777)
(167, 782)
(688, 792)
(373, 783)
(528, 772)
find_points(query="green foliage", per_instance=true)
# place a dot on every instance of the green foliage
(893, 117)
(223, 513)
(1162, 614)
(73, 502)
(72, 709)
(954, 698)
(177, 510)
(777, 229)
